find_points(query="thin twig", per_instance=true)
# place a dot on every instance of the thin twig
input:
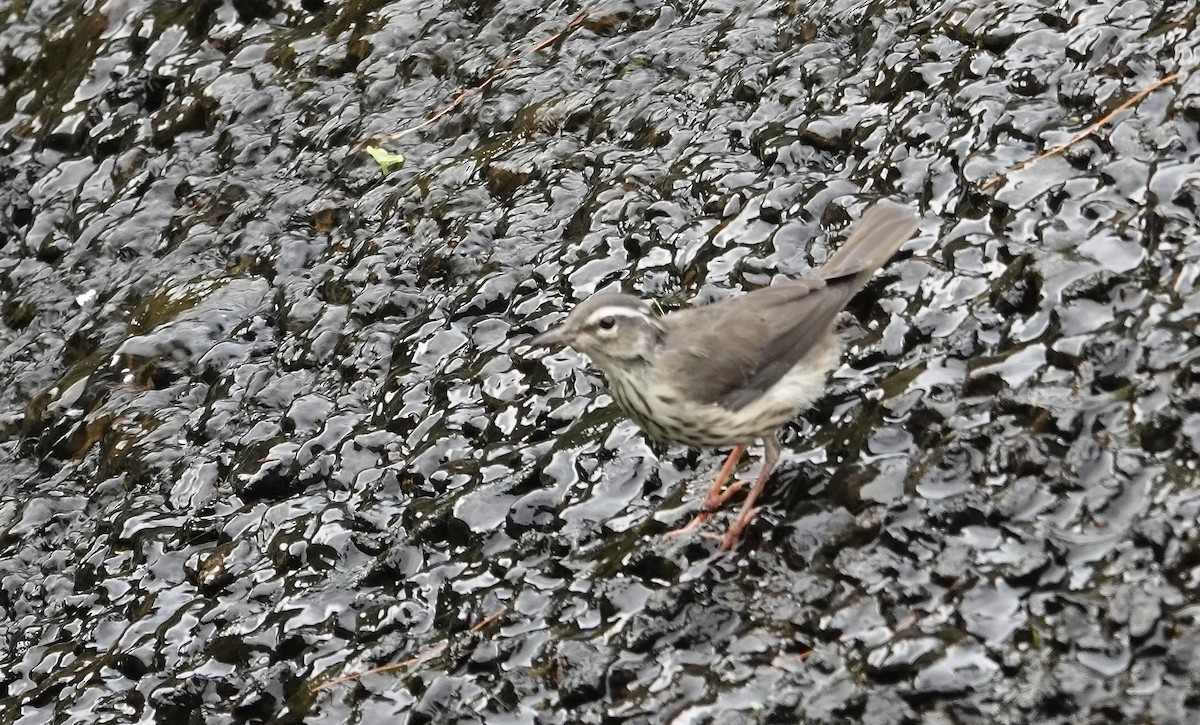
(427, 654)
(483, 85)
(909, 621)
(478, 626)
(1089, 130)
(793, 659)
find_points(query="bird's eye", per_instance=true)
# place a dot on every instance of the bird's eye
(607, 323)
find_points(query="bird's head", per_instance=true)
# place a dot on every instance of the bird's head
(611, 329)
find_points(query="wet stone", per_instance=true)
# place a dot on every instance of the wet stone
(581, 670)
(267, 418)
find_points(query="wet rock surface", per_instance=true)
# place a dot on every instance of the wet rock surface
(264, 422)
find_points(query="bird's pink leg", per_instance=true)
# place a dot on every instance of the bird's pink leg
(746, 515)
(715, 497)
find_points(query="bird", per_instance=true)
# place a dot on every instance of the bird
(736, 371)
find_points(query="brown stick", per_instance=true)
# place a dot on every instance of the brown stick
(427, 654)
(478, 626)
(1089, 130)
(483, 85)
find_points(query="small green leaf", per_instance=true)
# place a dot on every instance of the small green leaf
(386, 159)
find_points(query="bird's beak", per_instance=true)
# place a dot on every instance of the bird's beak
(554, 337)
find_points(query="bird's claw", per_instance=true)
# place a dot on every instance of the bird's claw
(712, 504)
(685, 530)
(737, 527)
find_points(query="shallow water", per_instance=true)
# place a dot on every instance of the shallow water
(266, 420)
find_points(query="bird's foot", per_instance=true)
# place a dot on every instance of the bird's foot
(737, 527)
(711, 504)
(685, 530)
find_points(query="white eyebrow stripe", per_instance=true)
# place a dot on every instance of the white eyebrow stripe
(614, 311)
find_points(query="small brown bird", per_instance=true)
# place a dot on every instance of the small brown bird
(731, 372)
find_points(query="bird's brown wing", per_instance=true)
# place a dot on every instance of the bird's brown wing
(734, 351)
(731, 352)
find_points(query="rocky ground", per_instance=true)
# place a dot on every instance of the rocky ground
(265, 420)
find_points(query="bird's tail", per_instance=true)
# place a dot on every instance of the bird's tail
(881, 231)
